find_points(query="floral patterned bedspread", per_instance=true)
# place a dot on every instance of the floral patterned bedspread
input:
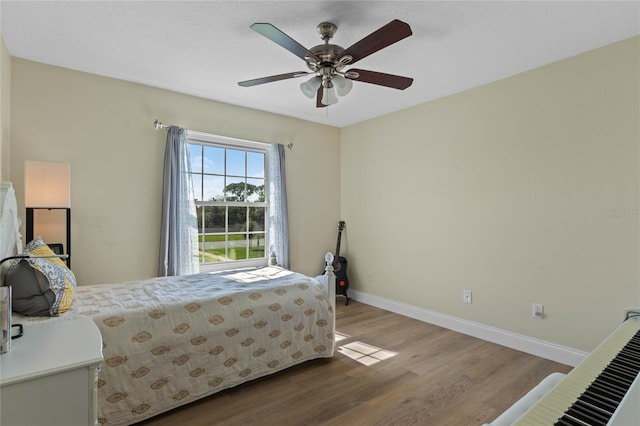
(172, 340)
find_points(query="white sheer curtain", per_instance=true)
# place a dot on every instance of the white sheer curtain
(179, 225)
(278, 217)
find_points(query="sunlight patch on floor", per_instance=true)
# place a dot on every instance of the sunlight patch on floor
(341, 336)
(364, 353)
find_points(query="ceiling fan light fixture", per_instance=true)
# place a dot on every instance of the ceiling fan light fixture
(329, 96)
(311, 86)
(343, 86)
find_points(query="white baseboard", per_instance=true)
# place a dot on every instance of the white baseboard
(541, 348)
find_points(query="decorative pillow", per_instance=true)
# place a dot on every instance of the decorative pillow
(41, 286)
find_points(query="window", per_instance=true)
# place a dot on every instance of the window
(229, 182)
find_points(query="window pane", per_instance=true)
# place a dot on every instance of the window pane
(255, 190)
(237, 219)
(199, 218)
(213, 220)
(211, 246)
(256, 245)
(213, 161)
(200, 237)
(255, 164)
(237, 247)
(214, 252)
(195, 152)
(235, 189)
(256, 219)
(235, 162)
(197, 186)
(213, 188)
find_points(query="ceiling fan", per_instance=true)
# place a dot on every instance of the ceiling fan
(327, 61)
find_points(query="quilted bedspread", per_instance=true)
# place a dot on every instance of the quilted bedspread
(172, 340)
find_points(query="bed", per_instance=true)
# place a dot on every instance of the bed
(169, 341)
(172, 340)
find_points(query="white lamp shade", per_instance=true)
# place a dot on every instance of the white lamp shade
(47, 184)
(329, 96)
(343, 85)
(310, 87)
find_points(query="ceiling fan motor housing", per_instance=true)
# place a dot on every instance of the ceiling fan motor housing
(326, 30)
(327, 53)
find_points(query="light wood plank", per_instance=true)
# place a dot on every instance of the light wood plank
(436, 377)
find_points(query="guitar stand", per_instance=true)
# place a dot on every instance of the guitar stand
(344, 293)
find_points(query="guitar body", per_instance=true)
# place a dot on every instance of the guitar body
(342, 281)
(340, 267)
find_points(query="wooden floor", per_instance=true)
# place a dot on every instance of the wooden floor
(415, 374)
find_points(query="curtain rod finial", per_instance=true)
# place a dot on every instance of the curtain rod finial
(290, 146)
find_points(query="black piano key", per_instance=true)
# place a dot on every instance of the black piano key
(611, 369)
(604, 404)
(578, 413)
(630, 364)
(620, 375)
(630, 358)
(596, 393)
(594, 408)
(634, 342)
(631, 352)
(568, 421)
(618, 368)
(604, 390)
(613, 380)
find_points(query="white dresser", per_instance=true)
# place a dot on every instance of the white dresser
(49, 377)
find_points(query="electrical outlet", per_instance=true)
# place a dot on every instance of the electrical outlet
(537, 311)
(466, 296)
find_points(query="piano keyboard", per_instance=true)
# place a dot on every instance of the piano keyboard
(592, 391)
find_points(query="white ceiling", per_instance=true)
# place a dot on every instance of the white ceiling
(204, 48)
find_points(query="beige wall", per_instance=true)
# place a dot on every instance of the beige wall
(5, 109)
(524, 190)
(104, 128)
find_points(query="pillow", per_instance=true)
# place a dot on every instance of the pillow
(41, 286)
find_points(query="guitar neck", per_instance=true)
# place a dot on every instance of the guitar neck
(336, 263)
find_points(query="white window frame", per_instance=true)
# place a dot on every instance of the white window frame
(245, 145)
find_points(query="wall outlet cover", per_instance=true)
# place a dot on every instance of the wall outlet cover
(537, 311)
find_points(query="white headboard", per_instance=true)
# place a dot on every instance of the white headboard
(10, 238)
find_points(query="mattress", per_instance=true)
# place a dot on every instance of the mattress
(172, 340)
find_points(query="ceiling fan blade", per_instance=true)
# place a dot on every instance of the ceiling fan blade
(393, 32)
(381, 79)
(278, 37)
(319, 103)
(262, 80)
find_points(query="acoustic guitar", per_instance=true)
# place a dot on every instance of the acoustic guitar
(340, 267)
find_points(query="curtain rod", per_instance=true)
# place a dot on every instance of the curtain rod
(158, 125)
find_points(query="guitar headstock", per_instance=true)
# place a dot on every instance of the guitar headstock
(341, 225)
